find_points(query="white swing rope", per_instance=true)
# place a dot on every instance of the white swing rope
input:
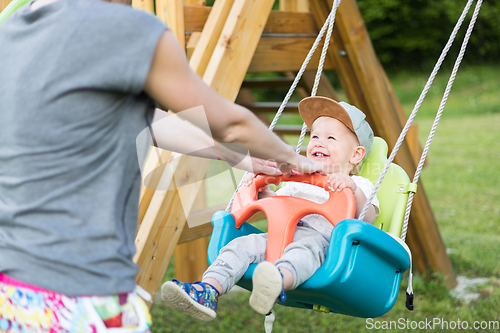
(328, 24)
(417, 107)
(438, 116)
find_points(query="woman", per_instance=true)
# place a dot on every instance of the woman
(79, 79)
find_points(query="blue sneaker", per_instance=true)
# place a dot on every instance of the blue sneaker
(183, 296)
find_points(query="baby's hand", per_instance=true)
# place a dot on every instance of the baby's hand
(339, 181)
(265, 192)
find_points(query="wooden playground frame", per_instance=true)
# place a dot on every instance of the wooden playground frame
(235, 37)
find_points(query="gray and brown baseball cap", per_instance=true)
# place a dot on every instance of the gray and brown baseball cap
(311, 108)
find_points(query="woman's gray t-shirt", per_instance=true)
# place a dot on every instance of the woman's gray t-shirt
(71, 106)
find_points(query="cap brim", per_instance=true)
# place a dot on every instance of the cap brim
(311, 108)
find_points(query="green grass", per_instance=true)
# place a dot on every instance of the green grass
(462, 182)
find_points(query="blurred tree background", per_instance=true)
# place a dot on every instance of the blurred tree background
(410, 34)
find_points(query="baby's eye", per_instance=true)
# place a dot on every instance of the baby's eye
(331, 138)
(314, 137)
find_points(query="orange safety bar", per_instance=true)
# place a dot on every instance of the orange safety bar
(284, 212)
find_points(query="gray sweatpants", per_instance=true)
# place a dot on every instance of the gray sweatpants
(302, 257)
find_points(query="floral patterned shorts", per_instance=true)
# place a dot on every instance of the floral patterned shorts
(27, 308)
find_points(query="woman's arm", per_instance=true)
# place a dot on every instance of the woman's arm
(169, 131)
(173, 84)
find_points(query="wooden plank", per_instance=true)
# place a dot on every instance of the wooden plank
(294, 5)
(172, 13)
(210, 35)
(146, 5)
(271, 107)
(278, 22)
(237, 45)
(193, 40)
(367, 87)
(279, 54)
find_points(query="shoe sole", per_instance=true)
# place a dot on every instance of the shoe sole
(267, 286)
(177, 298)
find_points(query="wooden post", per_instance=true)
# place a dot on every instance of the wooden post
(241, 34)
(191, 257)
(210, 34)
(164, 218)
(146, 5)
(368, 87)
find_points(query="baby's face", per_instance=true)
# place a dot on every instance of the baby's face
(332, 145)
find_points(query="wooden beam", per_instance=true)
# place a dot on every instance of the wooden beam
(368, 87)
(413, 144)
(294, 5)
(172, 13)
(153, 171)
(191, 257)
(267, 83)
(146, 5)
(3, 4)
(278, 22)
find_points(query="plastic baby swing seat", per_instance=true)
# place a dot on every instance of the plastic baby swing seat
(364, 263)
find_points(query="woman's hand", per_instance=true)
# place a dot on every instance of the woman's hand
(265, 167)
(300, 165)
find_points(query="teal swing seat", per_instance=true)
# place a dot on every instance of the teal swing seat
(362, 270)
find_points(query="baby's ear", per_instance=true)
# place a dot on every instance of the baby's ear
(358, 155)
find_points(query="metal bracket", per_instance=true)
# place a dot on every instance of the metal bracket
(407, 188)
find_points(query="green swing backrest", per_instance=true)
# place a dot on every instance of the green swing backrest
(393, 192)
